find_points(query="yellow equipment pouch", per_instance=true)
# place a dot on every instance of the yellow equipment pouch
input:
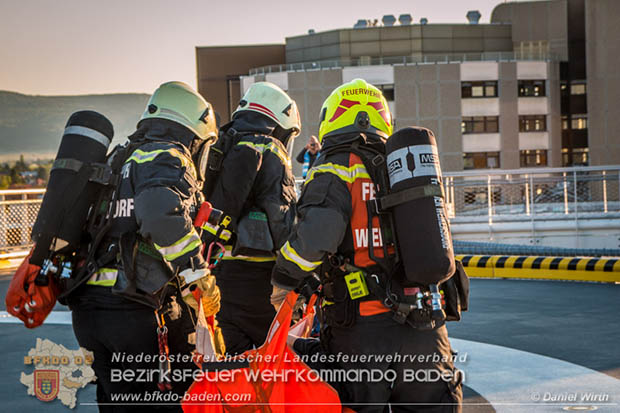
(356, 284)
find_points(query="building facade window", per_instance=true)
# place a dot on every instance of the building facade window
(482, 89)
(537, 157)
(579, 122)
(578, 88)
(577, 157)
(532, 88)
(388, 91)
(480, 124)
(532, 123)
(481, 160)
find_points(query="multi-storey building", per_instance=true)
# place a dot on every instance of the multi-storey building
(535, 87)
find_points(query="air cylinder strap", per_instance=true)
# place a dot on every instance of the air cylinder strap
(389, 201)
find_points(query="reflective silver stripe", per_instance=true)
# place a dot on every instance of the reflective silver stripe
(271, 147)
(289, 253)
(104, 277)
(89, 133)
(212, 229)
(229, 257)
(140, 156)
(347, 174)
(186, 244)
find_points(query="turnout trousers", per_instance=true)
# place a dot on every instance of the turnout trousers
(246, 312)
(117, 331)
(418, 377)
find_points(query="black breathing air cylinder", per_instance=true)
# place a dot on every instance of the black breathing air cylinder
(421, 224)
(71, 191)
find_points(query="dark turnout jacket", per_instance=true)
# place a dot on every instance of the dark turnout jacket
(331, 215)
(151, 235)
(255, 175)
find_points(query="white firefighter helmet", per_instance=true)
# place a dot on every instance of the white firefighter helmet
(269, 100)
(178, 102)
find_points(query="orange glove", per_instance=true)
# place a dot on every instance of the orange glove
(27, 301)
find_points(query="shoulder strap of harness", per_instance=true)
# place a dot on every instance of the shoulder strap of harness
(217, 154)
(374, 162)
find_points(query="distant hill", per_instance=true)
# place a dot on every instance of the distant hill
(34, 124)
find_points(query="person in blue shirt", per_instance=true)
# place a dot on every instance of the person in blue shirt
(308, 155)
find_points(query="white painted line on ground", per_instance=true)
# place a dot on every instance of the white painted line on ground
(518, 381)
(55, 317)
(9, 255)
(511, 380)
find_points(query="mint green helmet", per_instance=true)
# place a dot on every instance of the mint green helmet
(178, 102)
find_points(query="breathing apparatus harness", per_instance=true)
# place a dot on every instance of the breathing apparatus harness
(99, 223)
(420, 307)
(252, 220)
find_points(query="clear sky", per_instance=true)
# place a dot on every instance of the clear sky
(64, 47)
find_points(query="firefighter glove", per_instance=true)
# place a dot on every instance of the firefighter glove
(200, 285)
(278, 295)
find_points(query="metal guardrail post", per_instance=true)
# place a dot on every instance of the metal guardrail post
(604, 192)
(452, 195)
(4, 222)
(565, 194)
(533, 207)
(527, 196)
(25, 222)
(490, 199)
(575, 206)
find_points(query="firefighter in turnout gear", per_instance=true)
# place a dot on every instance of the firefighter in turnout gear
(148, 260)
(255, 189)
(334, 238)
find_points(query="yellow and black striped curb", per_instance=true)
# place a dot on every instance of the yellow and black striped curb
(543, 268)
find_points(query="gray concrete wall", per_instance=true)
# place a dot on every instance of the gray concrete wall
(554, 120)
(413, 40)
(430, 96)
(309, 89)
(603, 63)
(534, 21)
(215, 65)
(508, 116)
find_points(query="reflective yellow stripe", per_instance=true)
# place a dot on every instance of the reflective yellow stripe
(104, 277)
(289, 253)
(347, 174)
(248, 259)
(181, 247)
(212, 229)
(269, 147)
(140, 156)
(229, 257)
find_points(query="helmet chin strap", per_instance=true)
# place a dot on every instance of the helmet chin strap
(200, 154)
(290, 143)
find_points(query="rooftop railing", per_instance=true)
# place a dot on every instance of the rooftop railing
(528, 55)
(537, 194)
